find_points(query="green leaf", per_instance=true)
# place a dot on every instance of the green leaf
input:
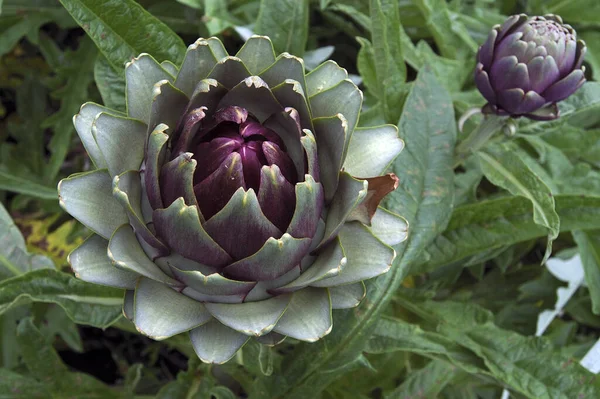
(571, 11)
(16, 386)
(21, 185)
(122, 29)
(581, 109)
(425, 193)
(450, 35)
(258, 358)
(23, 163)
(76, 73)
(49, 8)
(427, 382)
(588, 243)
(365, 62)
(57, 322)
(46, 366)
(387, 56)
(217, 17)
(528, 365)
(286, 23)
(111, 84)
(505, 169)
(14, 258)
(195, 383)
(133, 377)
(84, 303)
(9, 350)
(425, 199)
(395, 335)
(452, 73)
(491, 224)
(13, 29)
(592, 40)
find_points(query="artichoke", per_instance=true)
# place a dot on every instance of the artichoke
(528, 64)
(236, 199)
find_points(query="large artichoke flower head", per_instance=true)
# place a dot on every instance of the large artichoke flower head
(236, 198)
(528, 64)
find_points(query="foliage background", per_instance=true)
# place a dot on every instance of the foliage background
(457, 317)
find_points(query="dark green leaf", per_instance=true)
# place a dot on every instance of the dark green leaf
(505, 169)
(10, 182)
(122, 29)
(387, 57)
(217, 17)
(84, 303)
(46, 366)
(579, 110)
(16, 386)
(111, 84)
(427, 382)
(14, 28)
(365, 63)
(450, 35)
(425, 194)
(76, 70)
(286, 23)
(496, 223)
(588, 243)
(395, 335)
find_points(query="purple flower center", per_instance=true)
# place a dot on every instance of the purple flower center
(549, 30)
(230, 148)
(237, 131)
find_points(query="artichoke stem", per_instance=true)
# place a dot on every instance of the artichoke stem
(478, 137)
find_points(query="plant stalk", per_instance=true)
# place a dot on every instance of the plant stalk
(490, 125)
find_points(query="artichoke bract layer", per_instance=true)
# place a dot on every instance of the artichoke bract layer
(236, 198)
(528, 64)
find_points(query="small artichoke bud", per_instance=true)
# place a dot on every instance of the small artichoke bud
(527, 65)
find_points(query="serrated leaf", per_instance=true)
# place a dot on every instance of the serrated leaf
(387, 57)
(217, 16)
(49, 8)
(194, 383)
(427, 382)
(111, 84)
(12, 30)
(365, 62)
(395, 335)
(9, 350)
(505, 169)
(425, 193)
(450, 35)
(16, 386)
(490, 224)
(588, 243)
(122, 29)
(528, 365)
(22, 185)
(84, 303)
(76, 70)
(571, 11)
(579, 110)
(23, 163)
(286, 23)
(46, 366)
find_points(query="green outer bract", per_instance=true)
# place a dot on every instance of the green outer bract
(194, 279)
